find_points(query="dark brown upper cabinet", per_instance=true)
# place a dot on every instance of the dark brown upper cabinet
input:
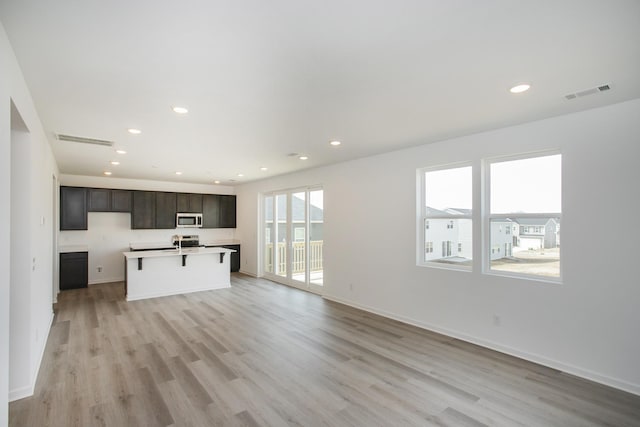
(149, 209)
(73, 208)
(190, 202)
(143, 213)
(227, 211)
(105, 200)
(166, 210)
(99, 200)
(120, 201)
(210, 211)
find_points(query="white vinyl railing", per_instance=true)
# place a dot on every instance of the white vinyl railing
(298, 257)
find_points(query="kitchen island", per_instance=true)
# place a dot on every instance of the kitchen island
(157, 273)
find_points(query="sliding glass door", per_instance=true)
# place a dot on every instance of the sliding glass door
(292, 248)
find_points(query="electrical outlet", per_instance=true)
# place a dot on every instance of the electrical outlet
(99, 269)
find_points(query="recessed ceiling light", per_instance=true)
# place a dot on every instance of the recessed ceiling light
(107, 173)
(303, 158)
(121, 152)
(240, 174)
(264, 169)
(520, 88)
(335, 143)
(180, 110)
(115, 163)
(216, 182)
(178, 173)
(134, 131)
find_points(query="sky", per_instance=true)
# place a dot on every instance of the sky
(449, 188)
(530, 185)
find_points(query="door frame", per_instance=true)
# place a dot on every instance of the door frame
(274, 276)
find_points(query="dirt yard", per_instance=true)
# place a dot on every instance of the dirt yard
(541, 262)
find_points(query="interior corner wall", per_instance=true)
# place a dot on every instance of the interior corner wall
(587, 326)
(20, 267)
(40, 220)
(5, 229)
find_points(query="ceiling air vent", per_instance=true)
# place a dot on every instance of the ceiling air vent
(84, 140)
(589, 91)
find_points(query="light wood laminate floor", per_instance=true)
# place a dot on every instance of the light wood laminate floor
(261, 354)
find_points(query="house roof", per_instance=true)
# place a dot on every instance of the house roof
(459, 211)
(435, 212)
(297, 210)
(447, 211)
(533, 221)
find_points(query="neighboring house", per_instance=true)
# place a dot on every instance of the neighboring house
(452, 237)
(447, 237)
(501, 238)
(538, 233)
(297, 214)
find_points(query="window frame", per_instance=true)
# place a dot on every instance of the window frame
(423, 219)
(488, 216)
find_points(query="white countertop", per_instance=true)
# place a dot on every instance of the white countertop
(175, 252)
(143, 246)
(220, 242)
(72, 248)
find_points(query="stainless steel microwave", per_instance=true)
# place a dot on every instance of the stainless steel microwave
(188, 220)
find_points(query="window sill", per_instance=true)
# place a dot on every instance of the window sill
(530, 277)
(445, 266)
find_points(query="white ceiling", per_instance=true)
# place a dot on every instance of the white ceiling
(263, 79)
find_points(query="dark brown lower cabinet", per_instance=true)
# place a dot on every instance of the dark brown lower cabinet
(74, 270)
(234, 262)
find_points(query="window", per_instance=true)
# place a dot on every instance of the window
(428, 248)
(446, 212)
(525, 191)
(298, 234)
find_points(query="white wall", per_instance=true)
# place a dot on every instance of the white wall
(109, 234)
(588, 325)
(20, 243)
(35, 303)
(5, 229)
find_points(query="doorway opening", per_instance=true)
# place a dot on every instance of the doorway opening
(293, 225)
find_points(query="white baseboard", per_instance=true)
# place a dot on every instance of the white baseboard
(112, 280)
(247, 273)
(531, 357)
(22, 392)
